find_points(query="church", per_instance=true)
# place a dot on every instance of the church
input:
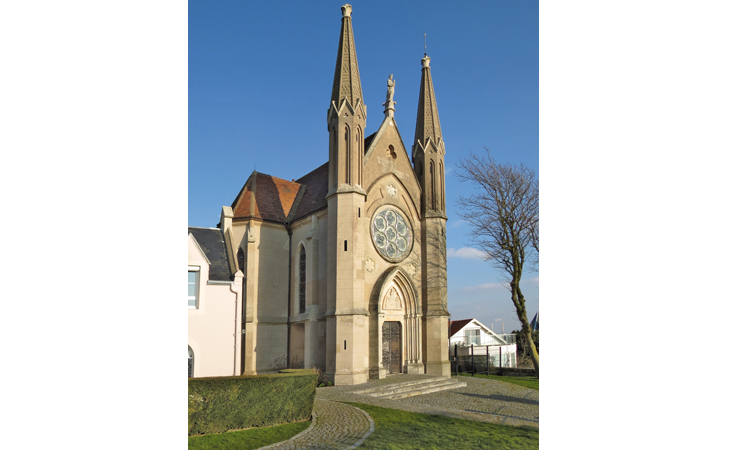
(342, 269)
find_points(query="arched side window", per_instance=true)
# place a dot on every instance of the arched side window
(241, 260)
(347, 155)
(433, 203)
(190, 362)
(302, 280)
(443, 188)
(359, 152)
(333, 156)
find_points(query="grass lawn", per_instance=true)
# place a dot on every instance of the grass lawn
(247, 439)
(397, 429)
(529, 382)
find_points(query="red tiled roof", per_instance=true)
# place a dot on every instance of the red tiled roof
(457, 325)
(273, 198)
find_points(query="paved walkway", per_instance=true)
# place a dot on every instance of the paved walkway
(334, 426)
(339, 426)
(483, 399)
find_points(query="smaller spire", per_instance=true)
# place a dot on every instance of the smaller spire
(428, 125)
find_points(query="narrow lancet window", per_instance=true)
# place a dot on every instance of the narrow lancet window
(433, 203)
(241, 260)
(302, 280)
(443, 188)
(347, 155)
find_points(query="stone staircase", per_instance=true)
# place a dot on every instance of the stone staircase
(412, 388)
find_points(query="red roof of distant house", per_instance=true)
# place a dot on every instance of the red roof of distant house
(457, 325)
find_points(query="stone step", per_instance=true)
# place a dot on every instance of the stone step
(412, 388)
(386, 387)
(399, 389)
(424, 390)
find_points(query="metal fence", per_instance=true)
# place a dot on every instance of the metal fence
(484, 359)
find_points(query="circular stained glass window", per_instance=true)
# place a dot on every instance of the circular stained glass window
(391, 234)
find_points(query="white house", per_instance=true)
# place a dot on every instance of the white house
(471, 334)
(214, 306)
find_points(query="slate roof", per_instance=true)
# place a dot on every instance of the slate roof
(211, 241)
(457, 325)
(367, 142)
(314, 197)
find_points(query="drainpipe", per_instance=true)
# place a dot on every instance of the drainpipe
(288, 311)
(237, 330)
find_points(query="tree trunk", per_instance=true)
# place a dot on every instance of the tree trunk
(519, 301)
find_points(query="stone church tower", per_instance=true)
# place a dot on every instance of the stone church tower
(428, 152)
(345, 268)
(347, 317)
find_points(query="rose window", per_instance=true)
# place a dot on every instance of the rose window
(392, 236)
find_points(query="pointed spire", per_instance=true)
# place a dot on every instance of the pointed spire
(347, 81)
(428, 124)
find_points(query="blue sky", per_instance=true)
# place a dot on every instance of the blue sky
(259, 82)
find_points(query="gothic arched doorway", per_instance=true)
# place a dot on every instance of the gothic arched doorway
(396, 338)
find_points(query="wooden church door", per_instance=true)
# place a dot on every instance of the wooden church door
(391, 344)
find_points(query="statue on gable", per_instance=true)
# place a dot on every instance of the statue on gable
(390, 90)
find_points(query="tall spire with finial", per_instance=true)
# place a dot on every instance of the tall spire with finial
(428, 150)
(347, 81)
(428, 124)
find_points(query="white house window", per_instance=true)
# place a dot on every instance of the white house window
(472, 337)
(193, 287)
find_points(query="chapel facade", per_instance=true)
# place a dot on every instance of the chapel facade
(345, 268)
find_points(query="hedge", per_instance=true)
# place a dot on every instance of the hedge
(216, 405)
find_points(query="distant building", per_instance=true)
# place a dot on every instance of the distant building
(534, 322)
(345, 267)
(470, 332)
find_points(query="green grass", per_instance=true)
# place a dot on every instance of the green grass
(397, 429)
(247, 439)
(529, 382)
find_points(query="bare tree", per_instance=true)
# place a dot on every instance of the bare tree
(503, 214)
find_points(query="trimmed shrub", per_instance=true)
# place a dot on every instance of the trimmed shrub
(216, 405)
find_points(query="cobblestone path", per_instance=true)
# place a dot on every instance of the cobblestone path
(482, 399)
(339, 426)
(334, 426)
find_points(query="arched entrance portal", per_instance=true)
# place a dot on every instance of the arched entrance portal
(396, 344)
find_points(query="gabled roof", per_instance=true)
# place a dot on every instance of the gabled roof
(534, 322)
(457, 325)
(265, 197)
(211, 241)
(314, 196)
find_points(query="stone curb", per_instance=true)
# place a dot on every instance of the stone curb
(314, 422)
(371, 428)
